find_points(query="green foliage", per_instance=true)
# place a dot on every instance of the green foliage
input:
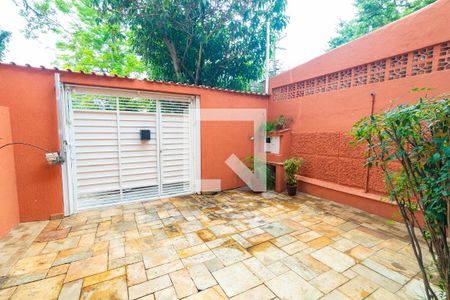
(411, 144)
(263, 170)
(280, 123)
(204, 42)
(4, 39)
(373, 14)
(291, 168)
(269, 126)
(87, 42)
(270, 177)
(94, 45)
(218, 43)
(249, 161)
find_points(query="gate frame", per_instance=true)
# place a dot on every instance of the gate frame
(67, 169)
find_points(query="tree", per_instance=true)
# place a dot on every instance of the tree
(94, 45)
(209, 42)
(416, 138)
(86, 43)
(373, 14)
(219, 43)
(4, 39)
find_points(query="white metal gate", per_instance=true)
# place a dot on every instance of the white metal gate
(111, 163)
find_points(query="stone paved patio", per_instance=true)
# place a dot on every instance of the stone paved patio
(236, 245)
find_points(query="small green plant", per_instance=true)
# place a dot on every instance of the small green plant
(291, 168)
(280, 123)
(269, 127)
(270, 177)
(249, 161)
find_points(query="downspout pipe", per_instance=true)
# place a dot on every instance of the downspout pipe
(372, 108)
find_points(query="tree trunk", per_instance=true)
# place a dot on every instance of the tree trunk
(174, 57)
(198, 68)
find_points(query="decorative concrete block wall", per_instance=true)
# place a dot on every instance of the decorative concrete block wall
(327, 95)
(329, 156)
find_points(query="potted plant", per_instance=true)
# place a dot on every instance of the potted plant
(291, 167)
(280, 123)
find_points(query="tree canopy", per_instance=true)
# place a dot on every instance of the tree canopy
(373, 14)
(210, 42)
(4, 39)
(218, 43)
(84, 40)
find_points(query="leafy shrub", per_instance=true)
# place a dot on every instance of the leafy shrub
(291, 168)
(417, 136)
(261, 168)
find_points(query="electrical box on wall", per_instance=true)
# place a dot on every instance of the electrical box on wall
(145, 135)
(273, 145)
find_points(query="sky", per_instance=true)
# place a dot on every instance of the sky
(312, 23)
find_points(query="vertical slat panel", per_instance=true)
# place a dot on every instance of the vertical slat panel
(97, 150)
(176, 147)
(139, 158)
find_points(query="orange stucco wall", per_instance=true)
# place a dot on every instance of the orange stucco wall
(30, 95)
(324, 107)
(322, 122)
(425, 27)
(9, 212)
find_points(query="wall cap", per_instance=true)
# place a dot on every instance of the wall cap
(97, 74)
(343, 189)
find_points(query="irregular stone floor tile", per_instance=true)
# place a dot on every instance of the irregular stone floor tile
(290, 286)
(236, 279)
(261, 292)
(234, 244)
(334, 259)
(112, 289)
(267, 253)
(87, 267)
(358, 288)
(42, 289)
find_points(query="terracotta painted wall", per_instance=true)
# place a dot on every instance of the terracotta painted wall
(322, 122)
(30, 95)
(323, 106)
(9, 212)
(425, 27)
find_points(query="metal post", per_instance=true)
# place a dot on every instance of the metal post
(372, 109)
(267, 56)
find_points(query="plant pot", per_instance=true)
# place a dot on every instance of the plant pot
(279, 127)
(292, 190)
